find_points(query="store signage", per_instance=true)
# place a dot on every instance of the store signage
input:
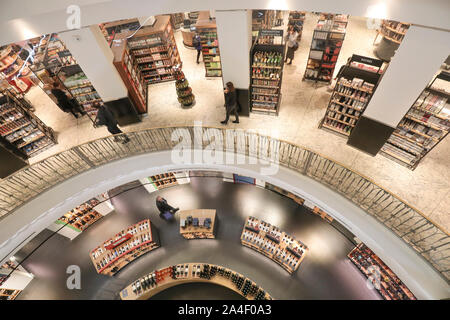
(266, 32)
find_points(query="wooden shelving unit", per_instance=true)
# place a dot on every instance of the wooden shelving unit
(262, 19)
(198, 224)
(124, 247)
(158, 280)
(425, 125)
(176, 20)
(390, 287)
(275, 244)
(355, 86)
(266, 74)
(326, 45)
(9, 294)
(146, 58)
(393, 31)
(110, 29)
(210, 46)
(21, 131)
(297, 18)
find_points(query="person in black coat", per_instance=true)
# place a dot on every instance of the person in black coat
(230, 103)
(164, 207)
(105, 117)
(64, 103)
(197, 42)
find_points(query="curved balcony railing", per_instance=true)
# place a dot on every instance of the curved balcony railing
(424, 236)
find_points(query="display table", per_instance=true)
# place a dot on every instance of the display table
(273, 243)
(200, 225)
(126, 246)
(147, 286)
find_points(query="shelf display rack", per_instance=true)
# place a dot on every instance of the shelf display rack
(54, 63)
(21, 131)
(129, 244)
(164, 278)
(355, 85)
(297, 18)
(81, 217)
(392, 30)
(326, 45)
(390, 286)
(14, 69)
(269, 240)
(146, 58)
(210, 47)
(9, 294)
(425, 125)
(266, 74)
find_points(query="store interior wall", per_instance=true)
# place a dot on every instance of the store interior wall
(19, 227)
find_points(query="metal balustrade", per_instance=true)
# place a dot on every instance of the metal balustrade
(425, 237)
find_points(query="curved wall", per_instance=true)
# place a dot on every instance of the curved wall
(28, 220)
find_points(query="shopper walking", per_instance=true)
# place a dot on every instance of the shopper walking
(105, 117)
(292, 43)
(197, 42)
(166, 211)
(66, 104)
(230, 103)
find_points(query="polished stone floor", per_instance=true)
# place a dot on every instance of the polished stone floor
(325, 273)
(302, 107)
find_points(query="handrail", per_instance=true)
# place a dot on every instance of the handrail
(408, 223)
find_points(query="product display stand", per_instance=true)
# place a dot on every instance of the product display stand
(147, 286)
(198, 224)
(146, 58)
(355, 85)
(126, 246)
(13, 280)
(390, 286)
(273, 243)
(184, 92)
(21, 131)
(325, 47)
(425, 125)
(266, 73)
(210, 46)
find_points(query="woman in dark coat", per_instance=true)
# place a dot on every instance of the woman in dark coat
(292, 45)
(230, 103)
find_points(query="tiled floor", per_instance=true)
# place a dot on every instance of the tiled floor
(303, 105)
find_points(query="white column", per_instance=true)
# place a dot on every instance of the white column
(91, 51)
(234, 30)
(418, 58)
